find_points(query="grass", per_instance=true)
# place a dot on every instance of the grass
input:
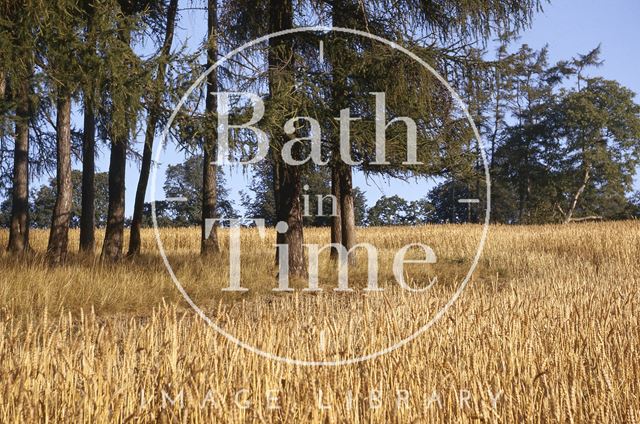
(546, 331)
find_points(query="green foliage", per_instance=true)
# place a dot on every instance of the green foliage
(445, 206)
(185, 180)
(575, 143)
(601, 127)
(258, 201)
(44, 198)
(395, 210)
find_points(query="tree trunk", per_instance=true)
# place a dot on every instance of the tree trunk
(3, 85)
(209, 242)
(87, 213)
(588, 218)
(19, 226)
(336, 220)
(569, 215)
(59, 232)
(347, 211)
(3, 110)
(135, 240)
(281, 86)
(152, 122)
(276, 170)
(114, 233)
(275, 181)
(343, 13)
(291, 213)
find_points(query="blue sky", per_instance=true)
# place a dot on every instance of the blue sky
(567, 26)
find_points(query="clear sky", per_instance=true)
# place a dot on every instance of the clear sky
(567, 26)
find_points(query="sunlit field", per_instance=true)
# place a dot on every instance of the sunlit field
(547, 330)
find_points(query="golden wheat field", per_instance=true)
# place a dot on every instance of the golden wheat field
(547, 330)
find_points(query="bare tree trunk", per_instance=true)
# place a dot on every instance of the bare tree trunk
(281, 85)
(3, 92)
(87, 213)
(336, 220)
(19, 226)
(135, 240)
(209, 242)
(114, 233)
(59, 232)
(342, 10)
(276, 183)
(3, 84)
(347, 211)
(88, 208)
(152, 122)
(569, 215)
(291, 213)
(588, 218)
(275, 169)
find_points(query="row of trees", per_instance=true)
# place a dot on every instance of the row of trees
(184, 179)
(43, 200)
(440, 205)
(554, 147)
(55, 55)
